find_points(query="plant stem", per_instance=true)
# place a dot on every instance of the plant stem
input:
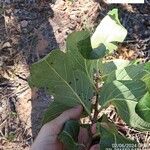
(95, 108)
(96, 112)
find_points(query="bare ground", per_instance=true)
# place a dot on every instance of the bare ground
(31, 29)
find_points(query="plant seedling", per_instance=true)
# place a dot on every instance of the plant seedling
(82, 76)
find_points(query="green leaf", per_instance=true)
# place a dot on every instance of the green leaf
(122, 90)
(143, 108)
(74, 51)
(114, 15)
(109, 35)
(68, 73)
(108, 68)
(110, 137)
(84, 46)
(128, 73)
(103, 39)
(98, 52)
(54, 110)
(58, 73)
(126, 110)
(69, 135)
(131, 72)
(146, 79)
(125, 95)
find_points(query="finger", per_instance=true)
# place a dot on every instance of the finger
(57, 124)
(95, 147)
(93, 129)
(73, 113)
(83, 136)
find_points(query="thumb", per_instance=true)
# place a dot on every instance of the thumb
(57, 123)
(95, 147)
(73, 113)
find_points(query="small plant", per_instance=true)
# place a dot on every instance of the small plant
(11, 136)
(82, 75)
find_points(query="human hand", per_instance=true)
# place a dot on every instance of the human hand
(47, 138)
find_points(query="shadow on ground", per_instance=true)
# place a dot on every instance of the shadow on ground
(37, 40)
(29, 36)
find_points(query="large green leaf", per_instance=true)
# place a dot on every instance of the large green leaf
(69, 135)
(126, 110)
(67, 76)
(54, 110)
(111, 139)
(108, 32)
(78, 52)
(103, 40)
(143, 107)
(108, 68)
(130, 72)
(58, 73)
(84, 46)
(122, 90)
(70, 73)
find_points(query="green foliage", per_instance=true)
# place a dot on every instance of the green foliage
(143, 107)
(110, 138)
(73, 77)
(119, 90)
(11, 136)
(69, 135)
(109, 32)
(127, 111)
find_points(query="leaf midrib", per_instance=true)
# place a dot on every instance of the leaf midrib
(85, 64)
(79, 99)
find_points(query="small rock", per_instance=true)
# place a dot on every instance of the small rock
(72, 25)
(78, 20)
(60, 2)
(24, 23)
(6, 45)
(73, 17)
